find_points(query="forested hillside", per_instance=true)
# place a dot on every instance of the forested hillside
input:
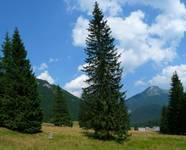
(46, 92)
(145, 107)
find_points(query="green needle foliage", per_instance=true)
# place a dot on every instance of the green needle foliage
(164, 121)
(184, 112)
(173, 117)
(7, 91)
(20, 104)
(103, 102)
(61, 116)
(83, 114)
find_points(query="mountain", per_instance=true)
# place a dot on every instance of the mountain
(46, 92)
(145, 107)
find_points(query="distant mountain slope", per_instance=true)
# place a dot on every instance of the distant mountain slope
(146, 106)
(46, 92)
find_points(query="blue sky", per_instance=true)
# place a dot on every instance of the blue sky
(150, 35)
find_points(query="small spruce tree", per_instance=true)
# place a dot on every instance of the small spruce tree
(173, 118)
(175, 114)
(61, 116)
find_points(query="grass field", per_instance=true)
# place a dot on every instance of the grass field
(74, 139)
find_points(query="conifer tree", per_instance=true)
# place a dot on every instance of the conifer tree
(21, 99)
(106, 112)
(184, 112)
(175, 114)
(61, 116)
(83, 114)
(6, 93)
(173, 118)
(28, 115)
(164, 121)
(1, 93)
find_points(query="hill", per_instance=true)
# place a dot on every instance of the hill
(46, 92)
(145, 107)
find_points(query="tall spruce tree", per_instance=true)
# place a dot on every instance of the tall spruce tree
(106, 112)
(61, 116)
(175, 108)
(21, 98)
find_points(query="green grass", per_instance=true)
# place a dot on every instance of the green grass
(75, 139)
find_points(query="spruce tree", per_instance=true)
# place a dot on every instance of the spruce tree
(83, 114)
(164, 121)
(61, 116)
(21, 99)
(175, 108)
(7, 113)
(29, 114)
(1, 93)
(106, 112)
(184, 117)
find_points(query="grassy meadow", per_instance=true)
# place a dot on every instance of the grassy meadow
(65, 138)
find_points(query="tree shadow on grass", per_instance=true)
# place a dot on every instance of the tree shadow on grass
(92, 135)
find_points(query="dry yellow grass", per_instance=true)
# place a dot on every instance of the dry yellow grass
(65, 138)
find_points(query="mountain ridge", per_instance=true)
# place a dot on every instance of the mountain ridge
(46, 93)
(146, 106)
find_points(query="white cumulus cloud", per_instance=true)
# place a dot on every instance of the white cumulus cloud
(164, 78)
(46, 76)
(140, 83)
(81, 67)
(53, 60)
(79, 33)
(43, 66)
(75, 86)
(139, 41)
(137, 44)
(110, 7)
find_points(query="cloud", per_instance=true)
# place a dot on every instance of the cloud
(81, 67)
(140, 83)
(138, 44)
(80, 32)
(115, 7)
(172, 7)
(46, 76)
(43, 66)
(139, 41)
(52, 60)
(75, 86)
(164, 78)
(110, 7)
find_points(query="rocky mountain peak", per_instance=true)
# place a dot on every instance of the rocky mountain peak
(153, 90)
